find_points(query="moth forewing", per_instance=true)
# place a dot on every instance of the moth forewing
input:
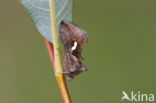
(73, 38)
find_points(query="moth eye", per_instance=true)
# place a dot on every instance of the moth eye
(74, 46)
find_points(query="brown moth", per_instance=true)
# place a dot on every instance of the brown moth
(74, 38)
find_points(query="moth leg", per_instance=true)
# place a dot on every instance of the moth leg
(65, 72)
(69, 78)
(83, 68)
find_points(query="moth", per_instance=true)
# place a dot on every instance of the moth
(73, 38)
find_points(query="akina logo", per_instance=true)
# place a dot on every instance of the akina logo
(137, 97)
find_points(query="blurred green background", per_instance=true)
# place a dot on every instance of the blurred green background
(120, 54)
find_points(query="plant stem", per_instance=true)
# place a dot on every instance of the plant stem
(54, 52)
(60, 79)
(58, 64)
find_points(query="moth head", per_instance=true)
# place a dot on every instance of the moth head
(78, 34)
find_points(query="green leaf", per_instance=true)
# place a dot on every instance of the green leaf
(39, 11)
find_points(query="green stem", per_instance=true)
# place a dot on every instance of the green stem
(57, 58)
(58, 63)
